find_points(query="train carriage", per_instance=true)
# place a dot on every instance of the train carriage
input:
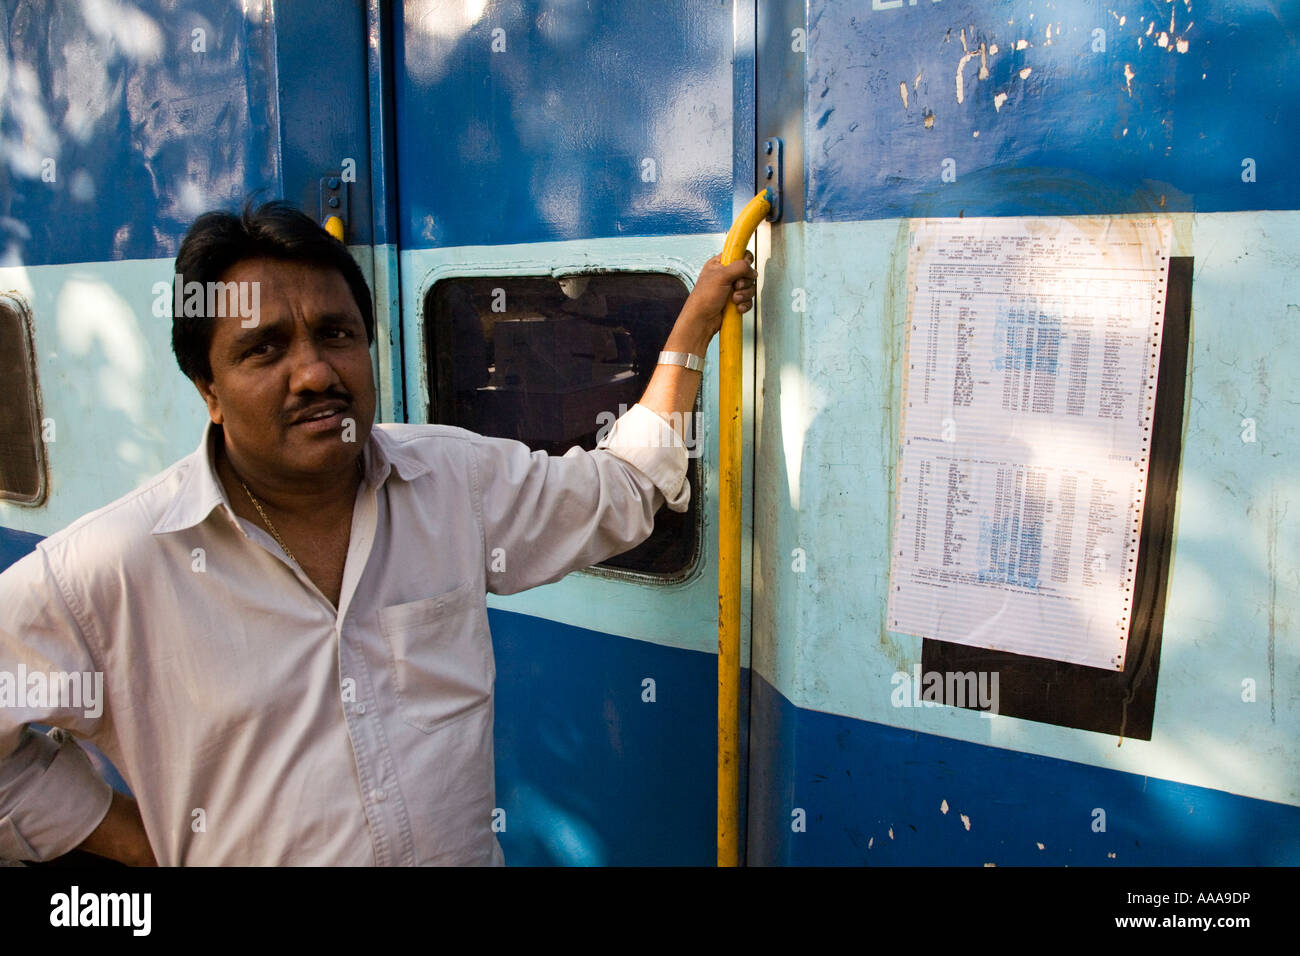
(531, 186)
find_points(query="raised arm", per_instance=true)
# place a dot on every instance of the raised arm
(544, 516)
(672, 388)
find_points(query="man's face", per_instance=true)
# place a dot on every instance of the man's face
(306, 355)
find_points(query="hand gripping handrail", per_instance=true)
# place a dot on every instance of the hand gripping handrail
(730, 471)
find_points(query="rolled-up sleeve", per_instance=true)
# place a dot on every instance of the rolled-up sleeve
(544, 516)
(51, 797)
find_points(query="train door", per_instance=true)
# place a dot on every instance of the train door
(563, 171)
(871, 747)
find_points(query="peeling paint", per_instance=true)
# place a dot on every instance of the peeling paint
(961, 65)
(1041, 847)
(902, 91)
(929, 120)
(965, 821)
(998, 100)
(1182, 45)
(1128, 77)
(870, 841)
(891, 833)
(1024, 74)
(943, 807)
(916, 81)
(1021, 44)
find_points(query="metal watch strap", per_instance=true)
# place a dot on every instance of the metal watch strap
(688, 359)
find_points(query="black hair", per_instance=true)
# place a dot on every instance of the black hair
(274, 230)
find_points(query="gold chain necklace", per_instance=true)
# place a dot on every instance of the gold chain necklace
(267, 521)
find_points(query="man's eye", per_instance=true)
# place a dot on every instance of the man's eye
(262, 348)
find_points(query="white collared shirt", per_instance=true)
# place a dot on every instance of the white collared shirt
(255, 722)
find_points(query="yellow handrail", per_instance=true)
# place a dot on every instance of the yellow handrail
(730, 395)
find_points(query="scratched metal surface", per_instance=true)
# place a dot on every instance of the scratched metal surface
(549, 135)
(116, 130)
(1049, 108)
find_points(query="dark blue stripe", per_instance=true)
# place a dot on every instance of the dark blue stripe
(1058, 144)
(587, 771)
(856, 780)
(15, 545)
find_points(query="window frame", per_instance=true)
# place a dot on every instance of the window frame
(576, 263)
(13, 302)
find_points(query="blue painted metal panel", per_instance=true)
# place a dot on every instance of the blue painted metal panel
(321, 82)
(383, 149)
(857, 780)
(587, 771)
(547, 138)
(1076, 133)
(146, 131)
(15, 545)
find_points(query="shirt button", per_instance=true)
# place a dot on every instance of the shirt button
(378, 795)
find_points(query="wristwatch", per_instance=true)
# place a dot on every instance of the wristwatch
(691, 361)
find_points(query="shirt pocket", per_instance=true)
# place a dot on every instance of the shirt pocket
(442, 656)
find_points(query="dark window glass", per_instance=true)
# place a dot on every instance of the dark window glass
(1089, 698)
(551, 363)
(22, 456)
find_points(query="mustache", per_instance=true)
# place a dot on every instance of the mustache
(315, 398)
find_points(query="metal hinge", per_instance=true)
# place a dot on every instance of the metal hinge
(774, 174)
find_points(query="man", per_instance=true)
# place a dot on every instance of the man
(290, 622)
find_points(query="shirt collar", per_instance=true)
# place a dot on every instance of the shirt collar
(201, 491)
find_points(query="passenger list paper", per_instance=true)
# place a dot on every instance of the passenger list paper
(1028, 393)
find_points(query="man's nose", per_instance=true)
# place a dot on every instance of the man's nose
(311, 371)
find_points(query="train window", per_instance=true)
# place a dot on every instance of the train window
(552, 362)
(1071, 695)
(22, 453)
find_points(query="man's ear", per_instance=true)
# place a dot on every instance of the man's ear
(210, 399)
